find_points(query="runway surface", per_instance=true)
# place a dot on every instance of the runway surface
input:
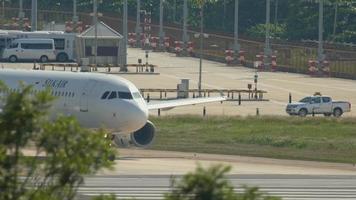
(147, 174)
(286, 186)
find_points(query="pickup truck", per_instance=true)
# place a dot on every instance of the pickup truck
(318, 105)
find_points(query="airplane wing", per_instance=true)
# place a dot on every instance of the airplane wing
(169, 104)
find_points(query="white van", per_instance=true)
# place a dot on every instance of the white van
(30, 49)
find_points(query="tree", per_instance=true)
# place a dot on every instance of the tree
(70, 151)
(211, 184)
(277, 31)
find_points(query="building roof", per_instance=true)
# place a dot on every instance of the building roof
(103, 32)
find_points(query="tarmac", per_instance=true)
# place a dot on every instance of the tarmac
(220, 76)
(288, 187)
(217, 75)
(151, 162)
(147, 174)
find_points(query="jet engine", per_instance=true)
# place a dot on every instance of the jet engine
(140, 138)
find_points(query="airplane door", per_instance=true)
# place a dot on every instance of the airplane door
(84, 98)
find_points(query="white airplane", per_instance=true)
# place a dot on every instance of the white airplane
(98, 100)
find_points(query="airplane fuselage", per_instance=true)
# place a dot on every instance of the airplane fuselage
(96, 100)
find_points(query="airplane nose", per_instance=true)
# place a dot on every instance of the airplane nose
(136, 117)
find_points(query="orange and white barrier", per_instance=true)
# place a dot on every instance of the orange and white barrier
(80, 27)
(274, 63)
(132, 39)
(154, 42)
(68, 26)
(259, 64)
(326, 68)
(178, 47)
(242, 58)
(312, 68)
(190, 48)
(167, 43)
(229, 56)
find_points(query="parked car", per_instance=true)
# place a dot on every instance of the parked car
(30, 49)
(318, 105)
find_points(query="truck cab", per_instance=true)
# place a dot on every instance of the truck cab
(318, 104)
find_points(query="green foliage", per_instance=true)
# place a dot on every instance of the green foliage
(345, 36)
(211, 184)
(318, 138)
(254, 194)
(203, 184)
(70, 151)
(300, 17)
(277, 31)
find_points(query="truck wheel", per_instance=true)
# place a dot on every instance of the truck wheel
(62, 57)
(337, 112)
(44, 59)
(303, 112)
(12, 59)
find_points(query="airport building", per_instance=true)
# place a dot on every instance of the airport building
(110, 46)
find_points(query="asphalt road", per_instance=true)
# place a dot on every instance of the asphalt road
(147, 174)
(286, 186)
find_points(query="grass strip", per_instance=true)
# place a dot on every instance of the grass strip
(310, 138)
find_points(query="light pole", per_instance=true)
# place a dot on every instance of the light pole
(335, 20)
(95, 22)
(321, 55)
(124, 25)
(3, 9)
(224, 15)
(201, 46)
(34, 16)
(185, 19)
(275, 12)
(236, 29)
(174, 10)
(138, 26)
(161, 33)
(267, 50)
(75, 17)
(21, 13)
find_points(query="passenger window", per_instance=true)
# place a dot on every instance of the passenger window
(13, 45)
(316, 100)
(113, 95)
(125, 95)
(36, 46)
(25, 46)
(105, 95)
(326, 99)
(59, 44)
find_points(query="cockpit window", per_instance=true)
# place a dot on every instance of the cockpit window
(113, 95)
(105, 95)
(136, 95)
(125, 95)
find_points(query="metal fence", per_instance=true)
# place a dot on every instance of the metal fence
(292, 57)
